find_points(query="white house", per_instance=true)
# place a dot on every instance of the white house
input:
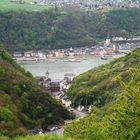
(71, 52)
(18, 54)
(66, 102)
(80, 108)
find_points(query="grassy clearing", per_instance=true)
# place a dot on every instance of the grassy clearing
(14, 5)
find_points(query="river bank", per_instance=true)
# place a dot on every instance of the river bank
(58, 68)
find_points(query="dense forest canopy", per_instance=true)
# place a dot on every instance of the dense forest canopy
(57, 28)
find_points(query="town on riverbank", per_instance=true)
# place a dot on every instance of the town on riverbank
(110, 48)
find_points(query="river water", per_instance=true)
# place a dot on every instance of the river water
(57, 68)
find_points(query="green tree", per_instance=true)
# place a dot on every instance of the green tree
(124, 122)
(5, 114)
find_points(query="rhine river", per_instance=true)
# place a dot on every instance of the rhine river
(57, 68)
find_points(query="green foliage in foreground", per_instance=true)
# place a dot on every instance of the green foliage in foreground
(23, 103)
(22, 30)
(99, 86)
(122, 123)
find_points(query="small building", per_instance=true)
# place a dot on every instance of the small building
(51, 55)
(18, 54)
(27, 54)
(71, 52)
(43, 80)
(80, 108)
(66, 102)
(41, 55)
(59, 54)
(54, 86)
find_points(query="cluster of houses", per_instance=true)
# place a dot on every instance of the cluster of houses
(111, 47)
(57, 87)
(116, 46)
(94, 4)
(29, 56)
(61, 53)
(120, 46)
(38, 56)
(33, 54)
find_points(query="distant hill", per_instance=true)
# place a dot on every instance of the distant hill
(64, 28)
(99, 86)
(23, 103)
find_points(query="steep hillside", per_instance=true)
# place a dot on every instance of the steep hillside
(120, 121)
(23, 104)
(99, 86)
(64, 28)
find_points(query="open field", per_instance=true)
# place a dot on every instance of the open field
(14, 5)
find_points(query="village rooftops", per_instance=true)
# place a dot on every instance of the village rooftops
(43, 78)
(55, 84)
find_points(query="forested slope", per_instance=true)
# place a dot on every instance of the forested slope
(120, 121)
(64, 28)
(23, 104)
(113, 91)
(99, 86)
